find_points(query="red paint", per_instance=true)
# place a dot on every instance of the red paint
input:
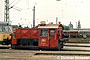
(43, 42)
(33, 33)
(14, 41)
(27, 33)
(18, 33)
(53, 39)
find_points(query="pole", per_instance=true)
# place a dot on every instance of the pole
(56, 20)
(34, 16)
(6, 11)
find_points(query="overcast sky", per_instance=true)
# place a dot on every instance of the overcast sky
(65, 10)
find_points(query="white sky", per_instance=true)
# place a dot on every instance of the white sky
(65, 10)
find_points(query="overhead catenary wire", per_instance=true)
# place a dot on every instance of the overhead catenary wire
(27, 10)
(17, 9)
(14, 7)
(27, 2)
(15, 4)
(12, 2)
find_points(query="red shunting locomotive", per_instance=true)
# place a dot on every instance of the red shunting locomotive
(45, 36)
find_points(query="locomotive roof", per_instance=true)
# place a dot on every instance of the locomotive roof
(49, 26)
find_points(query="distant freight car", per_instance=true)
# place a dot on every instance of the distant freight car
(45, 36)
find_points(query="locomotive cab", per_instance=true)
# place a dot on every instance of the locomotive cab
(51, 36)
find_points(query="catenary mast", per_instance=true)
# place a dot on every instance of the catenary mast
(6, 11)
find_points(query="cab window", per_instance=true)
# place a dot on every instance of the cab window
(10, 28)
(44, 32)
(52, 32)
(5, 28)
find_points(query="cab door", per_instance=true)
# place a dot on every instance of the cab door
(43, 38)
(52, 37)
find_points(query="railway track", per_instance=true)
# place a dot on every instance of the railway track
(39, 52)
(63, 53)
(69, 49)
(78, 44)
(26, 54)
